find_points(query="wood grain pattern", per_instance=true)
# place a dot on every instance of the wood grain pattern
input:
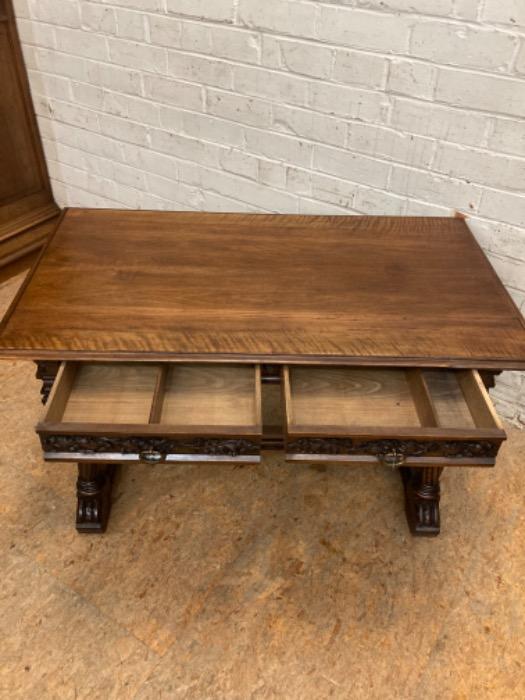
(448, 401)
(477, 397)
(344, 401)
(18, 268)
(158, 396)
(142, 285)
(422, 398)
(344, 397)
(151, 399)
(218, 395)
(111, 393)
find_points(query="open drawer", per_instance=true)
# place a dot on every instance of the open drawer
(153, 413)
(396, 417)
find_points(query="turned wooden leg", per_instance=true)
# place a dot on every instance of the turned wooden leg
(94, 485)
(46, 372)
(422, 499)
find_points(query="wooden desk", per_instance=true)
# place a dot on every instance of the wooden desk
(169, 326)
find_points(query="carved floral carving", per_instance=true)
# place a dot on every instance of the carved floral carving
(94, 444)
(409, 448)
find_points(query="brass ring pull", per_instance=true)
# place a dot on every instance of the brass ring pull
(393, 459)
(151, 456)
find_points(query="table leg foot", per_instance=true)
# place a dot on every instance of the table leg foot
(94, 486)
(422, 494)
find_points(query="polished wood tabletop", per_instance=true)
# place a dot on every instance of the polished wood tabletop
(243, 287)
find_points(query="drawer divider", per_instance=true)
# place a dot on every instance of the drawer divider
(158, 394)
(478, 400)
(258, 398)
(287, 399)
(423, 402)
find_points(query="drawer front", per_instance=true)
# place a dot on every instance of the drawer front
(394, 453)
(389, 416)
(151, 450)
(154, 413)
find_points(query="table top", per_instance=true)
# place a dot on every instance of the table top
(148, 285)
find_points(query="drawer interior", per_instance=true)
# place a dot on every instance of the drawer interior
(343, 397)
(186, 397)
(346, 400)
(110, 393)
(209, 395)
(449, 402)
(229, 400)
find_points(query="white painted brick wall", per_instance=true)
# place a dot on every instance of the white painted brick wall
(359, 106)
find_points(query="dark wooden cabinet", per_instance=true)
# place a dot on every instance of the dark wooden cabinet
(27, 208)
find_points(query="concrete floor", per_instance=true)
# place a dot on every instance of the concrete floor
(272, 581)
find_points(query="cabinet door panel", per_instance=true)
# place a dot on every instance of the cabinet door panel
(26, 201)
(20, 172)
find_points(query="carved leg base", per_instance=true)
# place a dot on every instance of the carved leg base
(46, 372)
(422, 499)
(94, 485)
